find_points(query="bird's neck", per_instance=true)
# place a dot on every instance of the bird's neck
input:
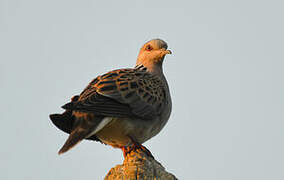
(153, 68)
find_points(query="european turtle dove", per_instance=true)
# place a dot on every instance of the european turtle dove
(122, 108)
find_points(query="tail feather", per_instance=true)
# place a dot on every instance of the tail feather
(63, 121)
(74, 138)
(83, 127)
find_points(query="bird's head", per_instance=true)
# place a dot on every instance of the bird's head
(153, 53)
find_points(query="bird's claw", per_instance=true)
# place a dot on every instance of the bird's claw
(135, 147)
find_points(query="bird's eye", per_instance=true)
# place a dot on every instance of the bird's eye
(149, 47)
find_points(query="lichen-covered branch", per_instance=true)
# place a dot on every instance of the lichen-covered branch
(138, 165)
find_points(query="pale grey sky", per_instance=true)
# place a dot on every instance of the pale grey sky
(225, 75)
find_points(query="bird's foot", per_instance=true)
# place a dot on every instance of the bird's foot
(136, 146)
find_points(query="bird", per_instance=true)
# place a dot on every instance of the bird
(122, 108)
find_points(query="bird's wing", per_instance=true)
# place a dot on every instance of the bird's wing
(123, 93)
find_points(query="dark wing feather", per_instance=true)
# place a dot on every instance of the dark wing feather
(65, 121)
(100, 105)
(123, 93)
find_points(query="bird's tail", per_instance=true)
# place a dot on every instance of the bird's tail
(74, 138)
(83, 127)
(63, 121)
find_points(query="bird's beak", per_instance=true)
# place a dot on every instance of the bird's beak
(168, 52)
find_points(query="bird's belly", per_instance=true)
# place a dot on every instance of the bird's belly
(120, 132)
(115, 133)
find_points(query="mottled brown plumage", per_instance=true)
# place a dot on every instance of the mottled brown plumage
(123, 107)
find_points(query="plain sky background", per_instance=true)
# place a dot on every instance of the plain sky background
(225, 76)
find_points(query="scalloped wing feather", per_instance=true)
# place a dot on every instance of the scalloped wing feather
(123, 93)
